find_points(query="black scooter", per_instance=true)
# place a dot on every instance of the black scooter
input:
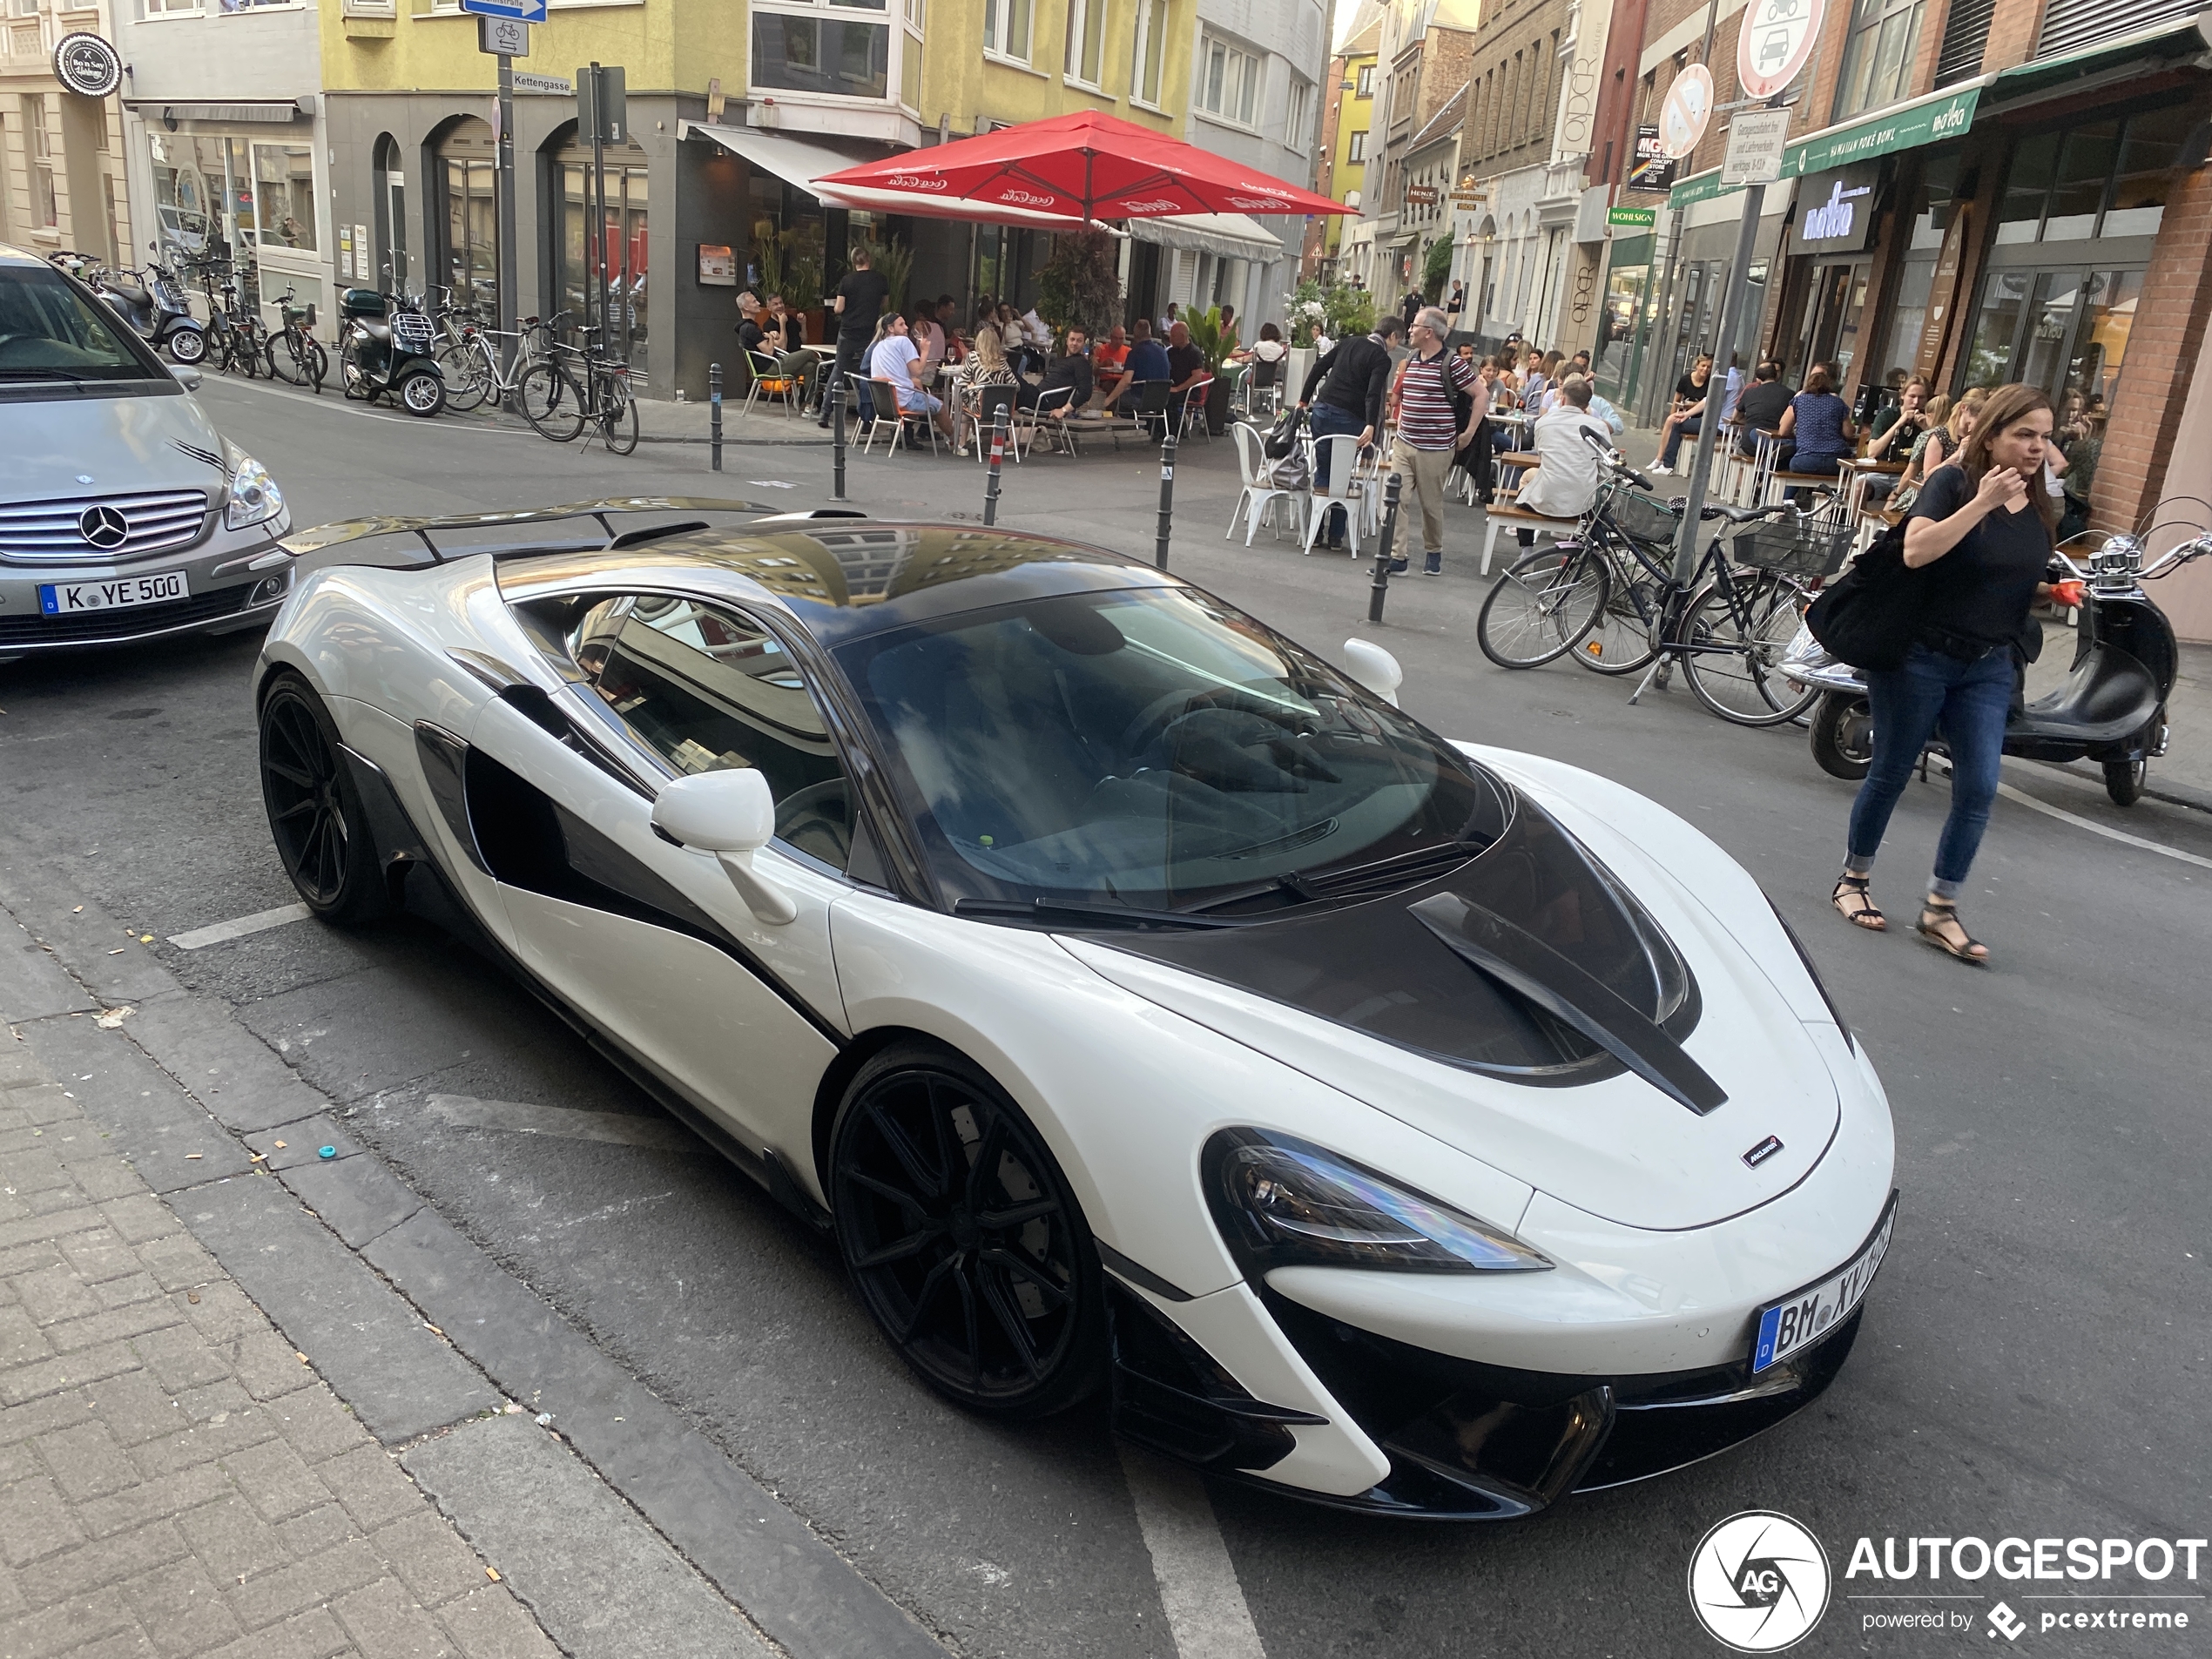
(158, 311)
(386, 344)
(2111, 710)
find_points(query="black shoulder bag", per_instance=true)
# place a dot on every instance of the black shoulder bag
(1870, 616)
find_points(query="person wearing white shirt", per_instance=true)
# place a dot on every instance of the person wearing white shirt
(896, 360)
(1566, 484)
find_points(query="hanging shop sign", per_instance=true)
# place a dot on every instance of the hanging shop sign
(1684, 112)
(87, 64)
(1420, 195)
(1774, 43)
(1836, 211)
(1654, 168)
(1930, 121)
(1640, 218)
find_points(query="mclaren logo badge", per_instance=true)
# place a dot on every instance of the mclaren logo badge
(1763, 1151)
(103, 527)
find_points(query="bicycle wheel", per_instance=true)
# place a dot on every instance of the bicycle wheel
(1624, 638)
(1754, 623)
(284, 361)
(549, 401)
(616, 412)
(246, 353)
(315, 361)
(1542, 606)
(470, 375)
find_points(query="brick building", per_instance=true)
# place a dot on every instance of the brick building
(1424, 56)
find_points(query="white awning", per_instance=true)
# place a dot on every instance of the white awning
(803, 161)
(1231, 236)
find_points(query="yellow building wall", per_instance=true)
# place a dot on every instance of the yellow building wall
(1357, 115)
(663, 46)
(959, 82)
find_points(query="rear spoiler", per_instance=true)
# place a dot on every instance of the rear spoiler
(358, 529)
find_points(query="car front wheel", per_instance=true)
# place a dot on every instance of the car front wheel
(963, 1238)
(315, 814)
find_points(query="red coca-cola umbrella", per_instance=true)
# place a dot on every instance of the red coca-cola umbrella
(1078, 167)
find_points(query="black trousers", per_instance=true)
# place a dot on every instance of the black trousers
(852, 353)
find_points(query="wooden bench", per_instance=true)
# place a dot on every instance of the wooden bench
(1500, 516)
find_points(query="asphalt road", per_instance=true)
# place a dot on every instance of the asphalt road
(2034, 1357)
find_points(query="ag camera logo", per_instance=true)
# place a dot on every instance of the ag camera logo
(1759, 1582)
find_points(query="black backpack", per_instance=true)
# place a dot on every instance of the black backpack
(1870, 616)
(1281, 441)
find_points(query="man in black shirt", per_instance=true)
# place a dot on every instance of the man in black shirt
(1352, 377)
(857, 303)
(749, 333)
(1759, 410)
(1072, 371)
(1186, 363)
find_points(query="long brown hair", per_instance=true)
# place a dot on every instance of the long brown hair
(2008, 405)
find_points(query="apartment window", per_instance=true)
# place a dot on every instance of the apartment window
(1367, 81)
(1151, 48)
(915, 13)
(1005, 28)
(1294, 125)
(1228, 81)
(44, 207)
(25, 8)
(824, 49)
(1878, 59)
(1086, 41)
(1356, 150)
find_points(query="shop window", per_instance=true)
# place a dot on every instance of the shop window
(1005, 28)
(1878, 59)
(284, 195)
(1228, 81)
(1086, 41)
(623, 177)
(823, 49)
(2027, 188)
(467, 174)
(2078, 189)
(1990, 355)
(1145, 82)
(2104, 179)
(2149, 151)
(2101, 342)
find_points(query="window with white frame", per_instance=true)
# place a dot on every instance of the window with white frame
(1357, 149)
(170, 8)
(1144, 70)
(1294, 122)
(1005, 28)
(1366, 88)
(45, 207)
(915, 14)
(822, 48)
(1086, 41)
(1228, 81)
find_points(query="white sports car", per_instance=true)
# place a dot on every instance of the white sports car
(1142, 1003)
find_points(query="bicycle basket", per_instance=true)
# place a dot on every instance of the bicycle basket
(1805, 550)
(1645, 518)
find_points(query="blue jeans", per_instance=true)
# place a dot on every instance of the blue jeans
(1688, 429)
(1327, 420)
(1969, 702)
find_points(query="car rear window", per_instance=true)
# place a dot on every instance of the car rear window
(50, 331)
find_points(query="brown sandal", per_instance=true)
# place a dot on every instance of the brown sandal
(1854, 887)
(1948, 914)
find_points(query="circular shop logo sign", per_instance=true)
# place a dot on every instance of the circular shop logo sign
(1758, 1582)
(88, 65)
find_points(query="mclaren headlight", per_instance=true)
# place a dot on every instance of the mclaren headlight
(256, 498)
(1281, 1202)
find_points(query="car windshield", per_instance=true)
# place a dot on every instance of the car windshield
(50, 331)
(1154, 748)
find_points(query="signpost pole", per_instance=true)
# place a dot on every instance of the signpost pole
(509, 310)
(598, 193)
(1732, 301)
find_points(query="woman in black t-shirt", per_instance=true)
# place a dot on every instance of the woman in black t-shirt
(1981, 535)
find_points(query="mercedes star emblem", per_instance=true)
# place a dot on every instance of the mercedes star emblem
(103, 527)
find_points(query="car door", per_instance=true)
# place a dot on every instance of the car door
(650, 939)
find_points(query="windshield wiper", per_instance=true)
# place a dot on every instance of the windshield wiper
(1314, 888)
(1044, 910)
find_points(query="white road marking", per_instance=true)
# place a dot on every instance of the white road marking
(261, 921)
(1205, 1604)
(614, 1128)
(2095, 828)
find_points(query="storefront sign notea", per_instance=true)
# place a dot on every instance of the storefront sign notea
(1836, 217)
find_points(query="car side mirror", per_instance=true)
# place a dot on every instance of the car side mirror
(187, 377)
(1374, 668)
(732, 815)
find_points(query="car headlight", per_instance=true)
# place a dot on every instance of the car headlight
(1281, 1202)
(254, 495)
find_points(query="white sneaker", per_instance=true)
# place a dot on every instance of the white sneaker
(1657, 470)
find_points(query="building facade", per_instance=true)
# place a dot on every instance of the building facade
(62, 182)
(1424, 55)
(1349, 117)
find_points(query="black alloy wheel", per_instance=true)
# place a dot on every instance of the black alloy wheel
(1843, 735)
(963, 1238)
(315, 814)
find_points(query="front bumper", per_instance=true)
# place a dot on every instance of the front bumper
(236, 579)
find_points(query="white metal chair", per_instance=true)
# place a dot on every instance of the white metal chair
(1040, 418)
(1261, 493)
(1194, 408)
(1339, 452)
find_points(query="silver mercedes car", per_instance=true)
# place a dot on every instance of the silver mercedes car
(124, 514)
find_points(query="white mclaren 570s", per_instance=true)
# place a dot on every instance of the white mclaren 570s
(1141, 1001)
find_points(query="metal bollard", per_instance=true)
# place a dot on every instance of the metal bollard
(837, 434)
(714, 413)
(1391, 487)
(998, 453)
(1167, 499)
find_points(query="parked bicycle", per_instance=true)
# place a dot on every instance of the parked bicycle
(580, 384)
(235, 338)
(485, 365)
(292, 352)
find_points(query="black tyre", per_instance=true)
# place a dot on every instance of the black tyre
(1744, 684)
(423, 393)
(469, 377)
(963, 1237)
(616, 415)
(188, 345)
(1542, 606)
(549, 401)
(2124, 780)
(315, 814)
(1624, 638)
(1843, 734)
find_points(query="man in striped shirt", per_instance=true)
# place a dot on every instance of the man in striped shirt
(1430, 382)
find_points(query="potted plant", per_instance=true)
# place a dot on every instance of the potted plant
(1214, 343)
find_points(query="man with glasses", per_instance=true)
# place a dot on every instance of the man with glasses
(1430, 384)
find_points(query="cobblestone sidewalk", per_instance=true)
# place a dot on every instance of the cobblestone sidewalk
(174, 1479)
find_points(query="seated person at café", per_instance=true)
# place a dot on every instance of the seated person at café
(1566, 481)
(1147, 361)
(1817, 427)
(1108, 358)
(988, 378)
(895, 359)
(784, 333)
(1759, 410)
(1072, 371)
(1186, 363)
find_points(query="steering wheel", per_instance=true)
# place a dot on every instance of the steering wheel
(1153, 720)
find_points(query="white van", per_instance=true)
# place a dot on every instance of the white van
(124, 514)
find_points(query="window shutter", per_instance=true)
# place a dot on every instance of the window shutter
(1963, 37)
(2071, 24)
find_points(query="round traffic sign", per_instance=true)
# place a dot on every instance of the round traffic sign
(1774, 41)
(1684, 112)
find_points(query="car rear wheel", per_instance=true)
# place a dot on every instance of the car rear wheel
(963, 1238)
(315, 814)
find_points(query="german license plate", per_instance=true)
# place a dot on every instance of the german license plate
(1797, 1322)
(67, 598)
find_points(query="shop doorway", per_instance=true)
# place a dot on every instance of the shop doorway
(2064, 331)
(1835, 300)
(623, 196)
(465, 174)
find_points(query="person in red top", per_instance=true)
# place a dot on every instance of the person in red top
(1430, 382)
(1109, 360)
